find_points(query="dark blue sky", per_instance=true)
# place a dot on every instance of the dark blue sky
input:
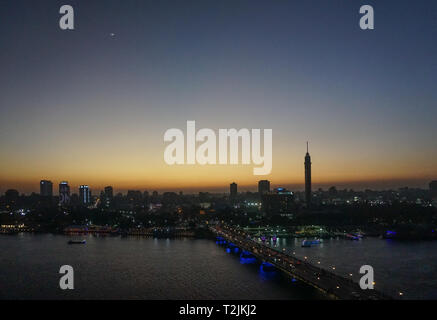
(73, 103)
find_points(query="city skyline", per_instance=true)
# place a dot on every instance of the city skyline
(254, 187)
(305, 186)
(90, 106)
(184, 154)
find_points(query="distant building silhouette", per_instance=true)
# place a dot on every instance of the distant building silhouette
(263, 186)
(64, 193)
(134, 196)
(11, 196)
(279, 202)
(46, 188)
(84, 194)
(308, 178)
(433, 189)
(155, 197)
(233, 191)
(108, 196)
(333, 191)
(109, 192)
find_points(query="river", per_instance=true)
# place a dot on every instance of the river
(135, 268)
(403, 267)
(147, 268)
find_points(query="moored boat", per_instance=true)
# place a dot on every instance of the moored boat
(308, 243)
(77, 241)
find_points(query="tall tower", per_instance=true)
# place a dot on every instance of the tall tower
(308, 178)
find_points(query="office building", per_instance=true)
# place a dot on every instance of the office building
(46, 188)
(64, 193)
(263, 186)
(84, 195)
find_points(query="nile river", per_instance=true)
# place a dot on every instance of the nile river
(134, 268)
(146, 268)
(403, 267)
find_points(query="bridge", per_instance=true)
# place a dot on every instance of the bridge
(332, 284)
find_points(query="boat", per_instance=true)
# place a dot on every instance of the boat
(352, 237)
(77, 241)
(308, 243)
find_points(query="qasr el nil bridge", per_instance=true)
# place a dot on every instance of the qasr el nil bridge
(324, 280)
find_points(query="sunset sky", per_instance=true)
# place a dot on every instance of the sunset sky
(91, 108)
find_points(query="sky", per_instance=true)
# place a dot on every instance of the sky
(91, 108)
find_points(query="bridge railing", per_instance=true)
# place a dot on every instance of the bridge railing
(279, 259)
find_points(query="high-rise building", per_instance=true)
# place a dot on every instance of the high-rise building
(263, 186)
(46, 188)
(233, 191)
(308, 178)
(109, 192)
(108, 196)
(64, 193)
(84, 194)
(433, 189)
(279, 202)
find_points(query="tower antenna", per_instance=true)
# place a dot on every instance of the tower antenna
(307, 146)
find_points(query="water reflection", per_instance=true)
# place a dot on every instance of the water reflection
(407, 267)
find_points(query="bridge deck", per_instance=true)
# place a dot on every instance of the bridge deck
(328, 282)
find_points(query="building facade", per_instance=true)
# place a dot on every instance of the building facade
(263, 186)
(46, 188)
(64, 193)
(233, 189)
(279, 202)
(84, 195)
